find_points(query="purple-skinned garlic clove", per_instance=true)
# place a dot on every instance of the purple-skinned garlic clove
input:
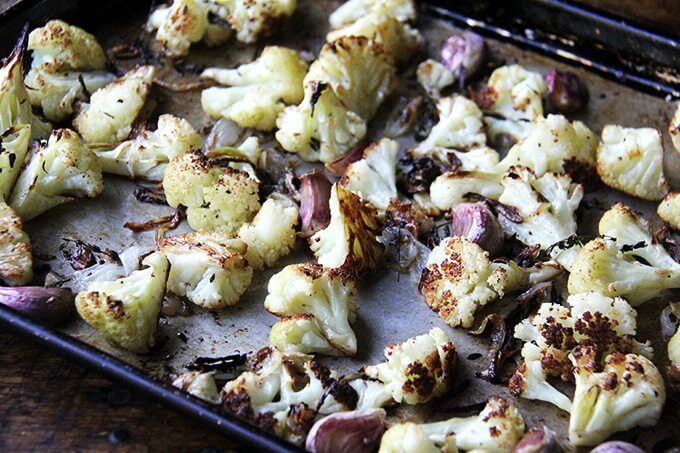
(347, 432)
(463, 54)
(617, 446)
(49, 305)
(566, 92)
(315, 213)
(476, 222)
(538, 440)
(338, 165)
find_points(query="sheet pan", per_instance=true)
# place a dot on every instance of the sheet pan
(390, 308)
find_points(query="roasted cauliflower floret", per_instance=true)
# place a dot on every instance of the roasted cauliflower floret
(498, 428)
(450, 188)
(109, 115)
(147, 155)
(631, 160)
(59, 46)
(14, 143)
(15, 106)
(433, 77)
(419, 369)
(674, 350)
(629, 391)
(460, 127)
(200, 385)
(669, 210)
(554, 145)
(320, 128)
(349, 241)
(547, 206)
(604, 266)
(309, 289)
(353, 10)
(61, 170)
(459, 278)
(125, 311)
(216, 198)
(209, 269)
(513, 92)
(374, 177)
(252, 19)
(186, 22)
(258, 91)
(16, 259)
(397, 38)
(674, 129)
(271, 234)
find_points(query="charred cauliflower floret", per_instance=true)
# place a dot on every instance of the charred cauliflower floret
(669, 210)
(353, 10)
(147, 155)
(450, 188)
(109, 115)
(186, 22)
(631, 160)
(125, 311)
(674, 350)
(67, 64)
(419, 369)
(460, 127)
(605, 266)
(271, 234)
(374, 177)
(397, 38)
(209, 269)
(15, 105)
(554, 145)
(459, 278)
(547, 206)
(320, 128)
(16, 259)
(324, 298)
(433, 77)
(674, 129)
(14, 143)
(252, 19)
(200, 385)
(258, 91)
(629, 391)
(349, 241)
(498, 428)
(216, 198)
(58, 171)
(514, 93)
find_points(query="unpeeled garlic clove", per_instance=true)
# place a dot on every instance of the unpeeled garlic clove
(315, 212)
(49, 305)
(476, 222)
(538, 440)
(338, 165)
(463, 54)
(617, 446)
(352, 432)
(566, 92)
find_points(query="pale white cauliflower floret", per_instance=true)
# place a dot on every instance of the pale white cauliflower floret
(14, 144)
(629, 391)
(147, 155)
(674, 350)
(674, 128)
(449, 189)
(631, 160)
(58, 171)
(498, 428)
(515, 93)
(419, 369)
(353, 10)
(271, 234)
(554, 145)
(210, 269)
(349, 241)
(16, 259)
(216, 198)
(669, 210)
(374, 177)
(200, 385)
(258, 91)
(323, 299)
(186, 22)
(125, 311)
(433, 76)
(253, 19)
(459, 278)
(109, 115)
(460, 127)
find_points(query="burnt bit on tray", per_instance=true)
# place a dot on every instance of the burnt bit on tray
(81, 255)
(225, 364)
(147, 195)
(168, 222)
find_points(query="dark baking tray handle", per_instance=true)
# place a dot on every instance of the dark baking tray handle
(125, 374)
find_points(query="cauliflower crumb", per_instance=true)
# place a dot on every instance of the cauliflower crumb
(353, 10)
